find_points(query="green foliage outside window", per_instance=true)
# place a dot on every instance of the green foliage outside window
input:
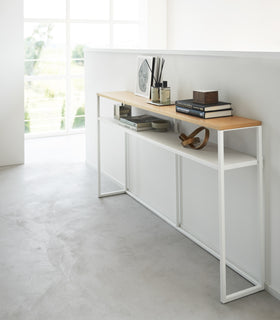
(78, 53)
(34, 45)
(26, 122)
(62, 123)
(79, 122)
(49, 93)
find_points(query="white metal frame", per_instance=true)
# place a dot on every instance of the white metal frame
(68, 77)
(258, 285)
(99, 191)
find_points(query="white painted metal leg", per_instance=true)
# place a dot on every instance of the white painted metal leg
(222, 226)
(261, 205)
(242, 293)
(178, 177)
(258, 286)
(112, 193)
(98, 148)
(99, 185)
(176, 125)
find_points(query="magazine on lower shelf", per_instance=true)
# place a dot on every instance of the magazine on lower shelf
(126, 125)
(143, 121)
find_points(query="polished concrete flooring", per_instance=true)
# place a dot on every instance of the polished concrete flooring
(65, 254)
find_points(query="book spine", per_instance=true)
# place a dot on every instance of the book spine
(196, 106)
(191, 112)
(190, 106)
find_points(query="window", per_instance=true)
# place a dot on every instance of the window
(56, 34)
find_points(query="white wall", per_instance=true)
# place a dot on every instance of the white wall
(249, 25)
(251, 84)
(11, 83)
(157, 24)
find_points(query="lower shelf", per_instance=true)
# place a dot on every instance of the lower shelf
(171, 142)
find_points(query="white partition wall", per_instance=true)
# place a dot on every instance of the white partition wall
(11, 83)
(239, 25)
(250, 82)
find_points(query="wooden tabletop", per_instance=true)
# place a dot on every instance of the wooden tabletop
(225, 123)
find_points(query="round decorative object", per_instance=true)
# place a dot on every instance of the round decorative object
(143, 76)
(193, 141)
(160, 125)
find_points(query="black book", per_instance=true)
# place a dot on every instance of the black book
(188, 103)
(204, 114)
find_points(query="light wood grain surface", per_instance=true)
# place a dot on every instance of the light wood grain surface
(225, 123)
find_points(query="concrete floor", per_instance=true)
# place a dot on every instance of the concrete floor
(65, 254)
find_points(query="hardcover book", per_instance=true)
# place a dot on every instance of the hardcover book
(203, 114)
(188, 103)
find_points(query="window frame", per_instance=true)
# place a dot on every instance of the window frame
(68, 77)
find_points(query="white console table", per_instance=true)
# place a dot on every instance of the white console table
(215, 156)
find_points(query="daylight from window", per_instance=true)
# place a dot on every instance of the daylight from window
(56, 32)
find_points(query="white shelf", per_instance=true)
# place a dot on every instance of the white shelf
(208, 156)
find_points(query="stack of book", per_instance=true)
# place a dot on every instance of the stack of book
(204, 110)
(139, 123)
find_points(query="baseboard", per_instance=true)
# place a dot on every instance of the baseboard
(2, 165)
(272, 291)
